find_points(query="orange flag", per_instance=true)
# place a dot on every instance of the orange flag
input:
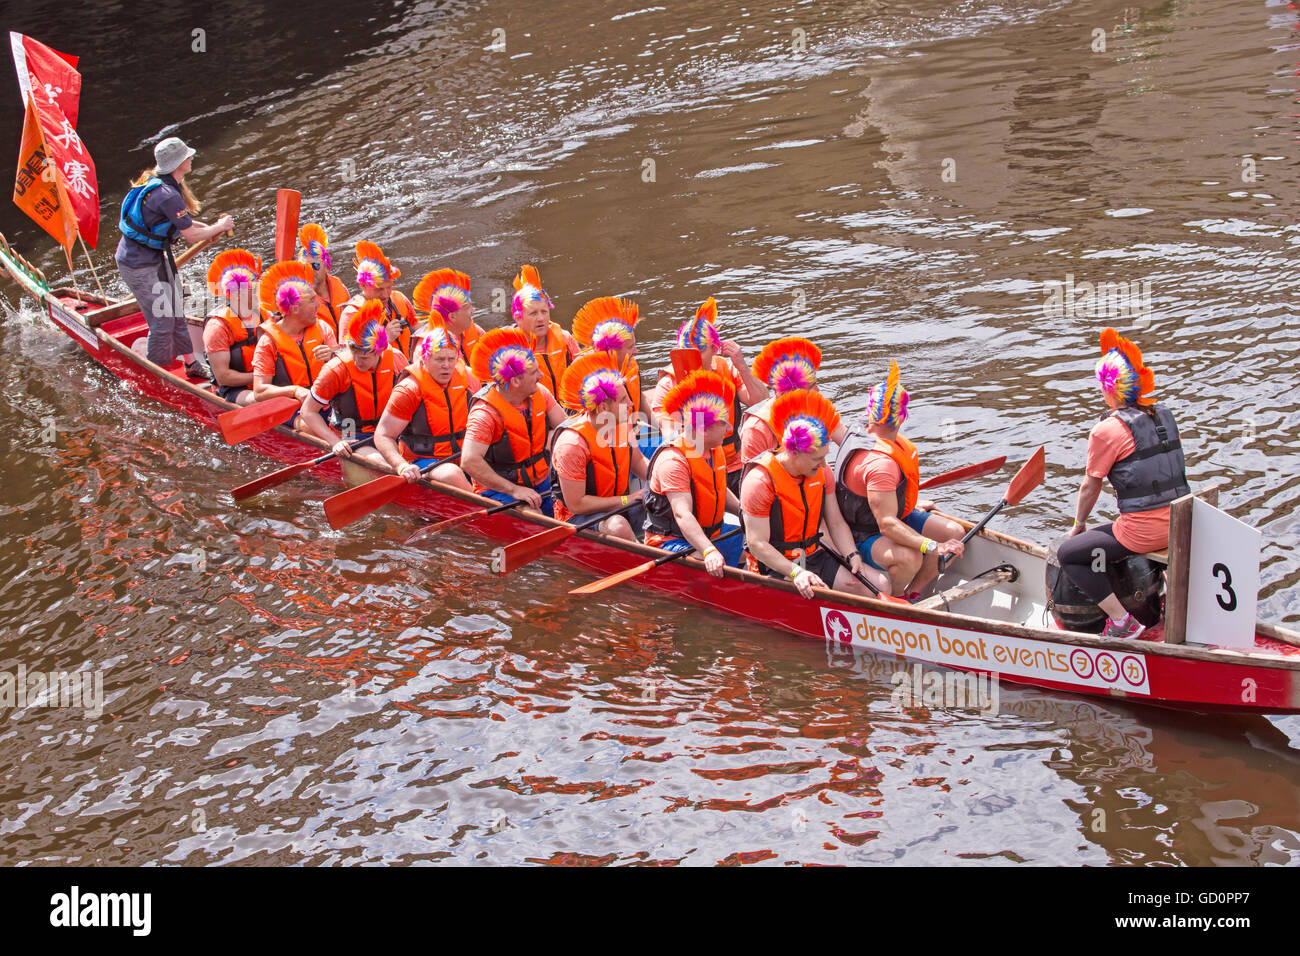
(38, 190)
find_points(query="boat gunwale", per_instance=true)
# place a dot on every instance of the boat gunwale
(861, 604)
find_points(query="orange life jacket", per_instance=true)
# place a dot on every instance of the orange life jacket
(855, 508)
(243, 339)
(364, 401)
(519, 455)
(553, 358)
(794, 523)
(708, 494)
(608, 466)
(294, 362)
(330, 307)
(437, 428)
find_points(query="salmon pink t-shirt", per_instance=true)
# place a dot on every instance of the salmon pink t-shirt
(216, 334)
(265, 355)
(486, 425)
(755, 438)
(872, 471)
(1139, 531)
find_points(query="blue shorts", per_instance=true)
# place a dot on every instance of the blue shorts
(548, 504)
(732, 548)
(914, 519)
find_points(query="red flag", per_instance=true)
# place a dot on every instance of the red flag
(75, 169)
(36, 191)
(48, 74)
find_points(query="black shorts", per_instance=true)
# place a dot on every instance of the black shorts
(230, 392)
(820, 563)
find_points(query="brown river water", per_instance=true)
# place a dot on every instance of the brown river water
(896, 180)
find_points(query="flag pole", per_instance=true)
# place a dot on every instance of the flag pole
(90, 263)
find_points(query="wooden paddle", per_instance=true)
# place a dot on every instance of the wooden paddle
(969, 471)
(287, 204)
(243, 423)
(512, 556)
(429, 530)
(1029, 477)
(597, 586)
(258, 485)
(198, 247)
(845, 564)
(684, 362)
(355, 503)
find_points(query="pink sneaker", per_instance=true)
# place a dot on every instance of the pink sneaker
(1126, 629)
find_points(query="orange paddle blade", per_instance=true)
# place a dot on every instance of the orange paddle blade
(348, 506)
(258, 485)
(287, 204)
(244, 423)
(596, 587)
(969, 471)
(1029, 477)
(430, 530)
(684, 362)
(513, 556)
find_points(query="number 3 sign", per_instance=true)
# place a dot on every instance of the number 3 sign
(1222, 579)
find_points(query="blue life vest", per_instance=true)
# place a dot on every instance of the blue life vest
(132, 224)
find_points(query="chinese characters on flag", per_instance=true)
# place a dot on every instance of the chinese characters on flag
(52, 89)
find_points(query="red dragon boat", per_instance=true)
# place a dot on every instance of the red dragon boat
(1004, 626)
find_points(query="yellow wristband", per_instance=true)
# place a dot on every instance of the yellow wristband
(624, 500)
(794, 572)
(710, 548)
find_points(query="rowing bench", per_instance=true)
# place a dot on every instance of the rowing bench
(976, 585)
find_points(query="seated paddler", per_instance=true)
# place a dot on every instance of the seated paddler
(687, 497)
(355, 386)
(877, 478)
(294, 346)
(426, 417)
(230, 336)
(594, 456)
(443, 297)
(788, 499)
(784, 366)
(508, 427)
(553, 348)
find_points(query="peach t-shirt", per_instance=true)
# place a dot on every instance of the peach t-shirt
(755, 438)
(1139, 531)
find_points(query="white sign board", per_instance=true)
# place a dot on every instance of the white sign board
(1222, 579)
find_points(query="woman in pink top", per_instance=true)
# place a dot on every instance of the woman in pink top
(1136, 446)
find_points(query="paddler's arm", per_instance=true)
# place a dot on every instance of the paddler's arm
(263, 389)
(751, 389)
(555, 416)
(223, 374)
(314, 423)
(387, 432)
(1088, 494)
(640, 465)
(840, 535)
(581, 503)
(758, 538)
(684, 512)
(199, 231)
(733, 503)
(896, 530)
(475, 465)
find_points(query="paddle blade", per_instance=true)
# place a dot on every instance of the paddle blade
(243, 423)
(429, 530)
(287, 203)
(355, 503)
(513, 556)
(595, 587)
(259, 485)
(962, 474)
(684, 362)
(1029, 477)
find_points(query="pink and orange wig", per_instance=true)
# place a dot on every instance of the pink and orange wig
(501, 356)
(315, 244)
(700, 401)
(528, 288)
(606, 324)
(441, 292)
(232, 269)
(284, 285)
(1121, 371)
(373, 266)
(366, 329)
(804, 421)
(788, 364)
(699, 332)
(887, 403)
(591, 381)
(435, 339)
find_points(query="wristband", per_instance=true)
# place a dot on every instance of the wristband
(1077, 522)
(710, 548)
(794, 573)
(623, 499)
(928, 545)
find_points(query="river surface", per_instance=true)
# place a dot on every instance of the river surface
(895, 180)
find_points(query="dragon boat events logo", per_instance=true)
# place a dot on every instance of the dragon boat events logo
(987, 652)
